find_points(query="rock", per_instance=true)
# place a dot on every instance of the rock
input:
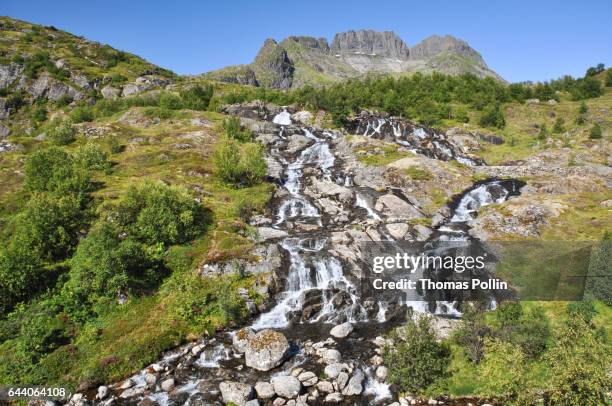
(303, 117)
(264, 390)
(109, 92)
(397, 230)
(286, 386)
(4, 131)
(279, 402)
(266, 350)
(150, 379)
(342, 330)
(236, 392)
(269, 233)
(147, 402)
(272, 66)
(342, 380)
(131, 392)
(325, 386)
(331, 356)
(333, 370)
(370, 42)
(297, 142)
(241, 339)
(308, 378)
(252, 402)
(128, 383)
(423, 233)
(47, 87)
(376, 360)
(381, 373)
(9, 74)
(334, 397)
(354, 386)
(396, 209)
(167, 385)
(103, 392)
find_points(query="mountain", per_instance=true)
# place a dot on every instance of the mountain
(301, 60)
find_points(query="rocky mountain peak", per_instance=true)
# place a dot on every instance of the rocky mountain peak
(311, 42)
(272, 66)
(386, 43)
(435, 45)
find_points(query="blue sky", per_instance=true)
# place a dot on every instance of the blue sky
(521, 40)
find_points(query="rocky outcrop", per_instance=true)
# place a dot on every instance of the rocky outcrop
(370, 42)
(47, 87)
(272, 66)
(9, 74)
(435, 45)
(311, 42)
(266, 350)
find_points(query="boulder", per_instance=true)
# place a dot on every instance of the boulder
(103, 392)
(308, 378)
(396, 209)
(334, 397)
(331, 356)
(4, 131)
(297, 142)
(342, 330)
(269, 233)
(264, 390)
(333, 370)
(266, 350)
(286, 386)
(303, 117)
(241, 339)
(397, 230)
(342, 380)
(381, 373)
(236, 392)
(109, 92)
(325, 386)
(354, 386)
(167, 385)
(9, 74)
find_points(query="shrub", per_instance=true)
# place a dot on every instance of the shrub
(53, 170)
(583, 310)
(81, 114)
(114, 144)
(197, 97)
(558, 127)
(543, 133)
(493, 117)
(39, 114)
(62, 133)
(583, 109)
(578, 366)
(416, 360)
(20, 272)
(92, 157)
(51, 223)
(154, 212)
(239, 165)
(595, 132)
(461, 115)
(105, 266)
(472, 333)
(169, 101)
(233, 130)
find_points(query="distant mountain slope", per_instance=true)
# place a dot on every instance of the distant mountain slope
(302, 60)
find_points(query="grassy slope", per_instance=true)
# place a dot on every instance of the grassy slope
(130, 336)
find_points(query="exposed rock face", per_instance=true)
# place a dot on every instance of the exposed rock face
(272, 66)
(9, 74)
(369, 42)
(46, 86)
(312, 42)
(266, 350)
(434, 45)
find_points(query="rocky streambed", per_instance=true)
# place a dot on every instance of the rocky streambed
(319, 341)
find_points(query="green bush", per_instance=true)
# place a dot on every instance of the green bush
(558, 128)
(197, 97)
(416, 359)
(154, 212)
(92, 157)
(51, 223)
(81, 114)
(39, 114)
(472, 333)
(62, 133)
(595, 132)
(104, 266)
(233, 130)
(543, 133)
(493, 117)
(583, 109)
(239, 164)
(170, 101)
(53, 170)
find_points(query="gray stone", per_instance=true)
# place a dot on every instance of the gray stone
(334, 397)
(269, 233)
(396, 209)
(103, 392)
(381, 373)
(333, 370)
(325, 386)
(109, 92)
(397, 230)
(354, 386)
(9, 74)
(4, 131)
(297, 142)
(264, 390)
(241, 339)
(342, 380)
(331, 356)
(252, 402)
(308, 378)
(342, 330)
(266, 349)
(370, 42)
(286, 386)
(236, 392)
(167, 385)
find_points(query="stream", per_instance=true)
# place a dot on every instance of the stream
(323, 216)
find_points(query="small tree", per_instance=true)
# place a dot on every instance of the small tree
(595, 132)
(233, 130)
(416, 359)
(583, 109)
(62, 133)
(558, 127)
(493, 117)
(197, 97)
(543, 133)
